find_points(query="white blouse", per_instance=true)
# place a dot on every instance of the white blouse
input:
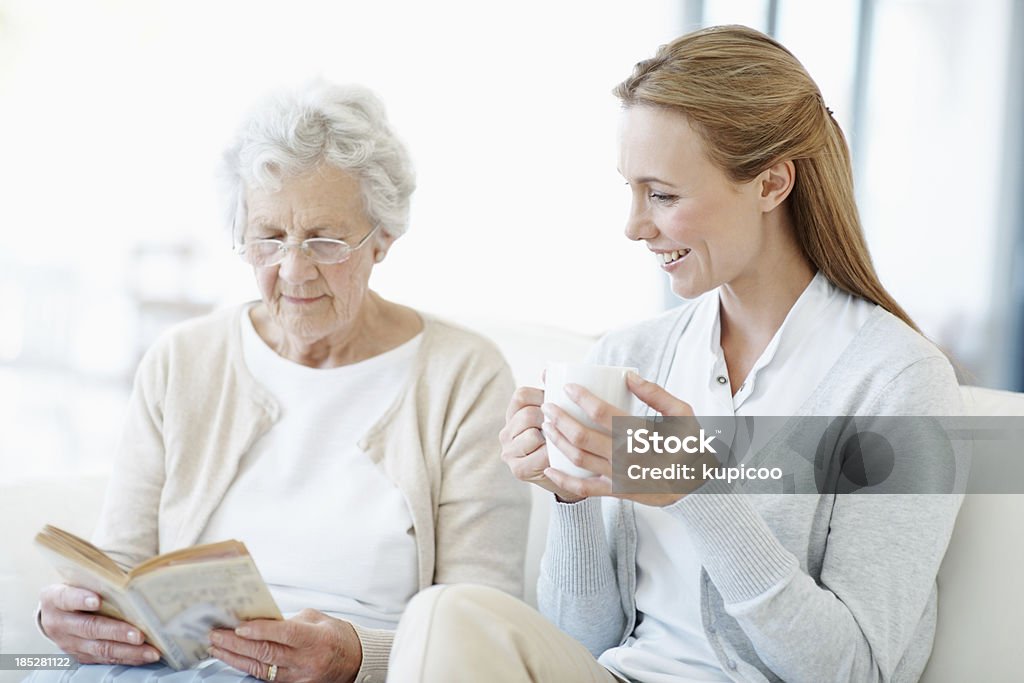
(325, 526)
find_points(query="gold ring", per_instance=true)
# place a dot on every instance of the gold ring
(272, 672)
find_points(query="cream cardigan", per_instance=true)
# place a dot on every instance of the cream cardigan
(195, 409)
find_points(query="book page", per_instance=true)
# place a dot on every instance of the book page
(81, 550)
(198, 553)
(187, 600)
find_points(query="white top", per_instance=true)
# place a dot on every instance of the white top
(325, 526)
(669, 643)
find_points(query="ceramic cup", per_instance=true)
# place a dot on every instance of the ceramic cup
(607, 382)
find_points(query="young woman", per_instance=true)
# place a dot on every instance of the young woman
(742, 190)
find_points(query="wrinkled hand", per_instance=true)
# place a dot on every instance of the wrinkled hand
(591, 449)
(70, 618)
(522, 444)
(310, 646)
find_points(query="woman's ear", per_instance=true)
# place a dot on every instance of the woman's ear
(776, 184)
(381, 246)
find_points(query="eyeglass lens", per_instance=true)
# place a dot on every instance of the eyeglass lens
(272, 252)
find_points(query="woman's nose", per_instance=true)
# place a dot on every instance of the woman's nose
(639, 225)
(297, 267)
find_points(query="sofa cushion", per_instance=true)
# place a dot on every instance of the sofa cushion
(71, 503)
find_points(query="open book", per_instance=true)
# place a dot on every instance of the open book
(174, 599)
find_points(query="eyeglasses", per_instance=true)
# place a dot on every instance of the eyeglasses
(324, 250)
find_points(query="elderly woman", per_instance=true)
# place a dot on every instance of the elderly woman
(349, 441)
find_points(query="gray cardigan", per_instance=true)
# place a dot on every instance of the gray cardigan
(794, 587)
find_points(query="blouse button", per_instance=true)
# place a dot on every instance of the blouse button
(731, 664)
(722, 379)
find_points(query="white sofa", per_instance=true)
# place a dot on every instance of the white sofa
(981, 593)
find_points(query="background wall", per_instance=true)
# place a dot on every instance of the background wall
(113, 114)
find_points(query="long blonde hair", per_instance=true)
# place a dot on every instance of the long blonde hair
(754, 104)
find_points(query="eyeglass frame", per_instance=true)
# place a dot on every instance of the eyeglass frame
(284, 246)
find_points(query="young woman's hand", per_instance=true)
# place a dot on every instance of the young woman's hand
(522, 444)
(70, 617)
(591, 449)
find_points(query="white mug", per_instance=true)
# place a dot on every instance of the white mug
(607, 382)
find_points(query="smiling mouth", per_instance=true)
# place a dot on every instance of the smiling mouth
(669, 257)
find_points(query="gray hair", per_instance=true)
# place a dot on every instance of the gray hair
(292, 132)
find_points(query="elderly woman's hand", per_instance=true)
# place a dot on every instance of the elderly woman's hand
(591, 449)
(310, 646)
(70, 618)
(523, 447)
